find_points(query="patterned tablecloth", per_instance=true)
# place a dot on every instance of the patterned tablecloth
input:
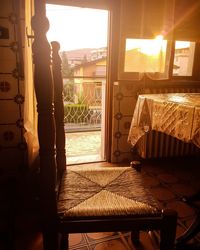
(175, 114)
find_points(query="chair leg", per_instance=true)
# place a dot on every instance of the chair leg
(168, 230)
(64, 242)
(135, 236)
(50, 240)
(50, 234)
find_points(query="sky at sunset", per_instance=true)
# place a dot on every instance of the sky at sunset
(76, 28)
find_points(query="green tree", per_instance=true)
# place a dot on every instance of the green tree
(84, 58)
(66, 69)
(68, 91)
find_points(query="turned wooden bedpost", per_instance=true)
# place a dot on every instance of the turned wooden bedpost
(46, 125)
(59, 108)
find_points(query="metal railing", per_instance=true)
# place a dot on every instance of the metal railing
(83, 103)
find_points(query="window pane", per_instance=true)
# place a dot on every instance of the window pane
(183, 58)
(145, 55)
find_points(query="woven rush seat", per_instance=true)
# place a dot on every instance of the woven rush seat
(96, 191)
(97, 198)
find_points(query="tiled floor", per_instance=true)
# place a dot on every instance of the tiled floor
(83, 147)
(107, 241)
(168, 181)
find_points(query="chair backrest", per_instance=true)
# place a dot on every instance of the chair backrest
(43, 84)
(48, 88)
(50, 133)
(58, 109)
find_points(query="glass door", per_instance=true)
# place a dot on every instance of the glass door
(83, 37)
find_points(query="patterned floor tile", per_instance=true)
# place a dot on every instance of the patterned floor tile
(145, 242)
(76, 239)
(98, 236)
(116, 244)
(162, 194)
(188, 221)
(153, 169)
(168, 178)
(149, 181)
(182, 189)
(183, 174)
(80, 248)
(182, 208)
(179, 230)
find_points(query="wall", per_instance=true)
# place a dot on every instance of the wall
(12, 145)
(124, 100)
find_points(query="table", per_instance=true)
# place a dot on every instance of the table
(175, 114)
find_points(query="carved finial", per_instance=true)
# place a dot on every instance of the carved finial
(40, 26)
(40, 23)
(55, 45)
(56, 57)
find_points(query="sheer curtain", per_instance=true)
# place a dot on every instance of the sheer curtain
(146, 38)
(147, 56)
(141, 22)
(30, 114)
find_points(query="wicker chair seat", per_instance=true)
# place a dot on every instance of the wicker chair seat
(96, 191)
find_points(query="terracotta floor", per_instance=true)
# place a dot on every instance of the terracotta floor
(168, 182)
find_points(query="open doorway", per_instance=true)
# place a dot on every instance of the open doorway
(83, 36)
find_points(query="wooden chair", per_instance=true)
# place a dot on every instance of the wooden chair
(83, 198)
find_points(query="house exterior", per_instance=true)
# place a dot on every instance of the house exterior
(183, 60)
(92, 77)
(78, 56)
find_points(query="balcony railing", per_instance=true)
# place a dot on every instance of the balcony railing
(83, 103)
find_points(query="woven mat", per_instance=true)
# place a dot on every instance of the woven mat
(104, 191)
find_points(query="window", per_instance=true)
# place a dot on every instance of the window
(145, 55)
(100, 70)
(183, 58)
(157, 57)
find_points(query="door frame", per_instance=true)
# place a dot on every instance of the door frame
(112, 60)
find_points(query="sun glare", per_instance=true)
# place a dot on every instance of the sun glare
(151, 47)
